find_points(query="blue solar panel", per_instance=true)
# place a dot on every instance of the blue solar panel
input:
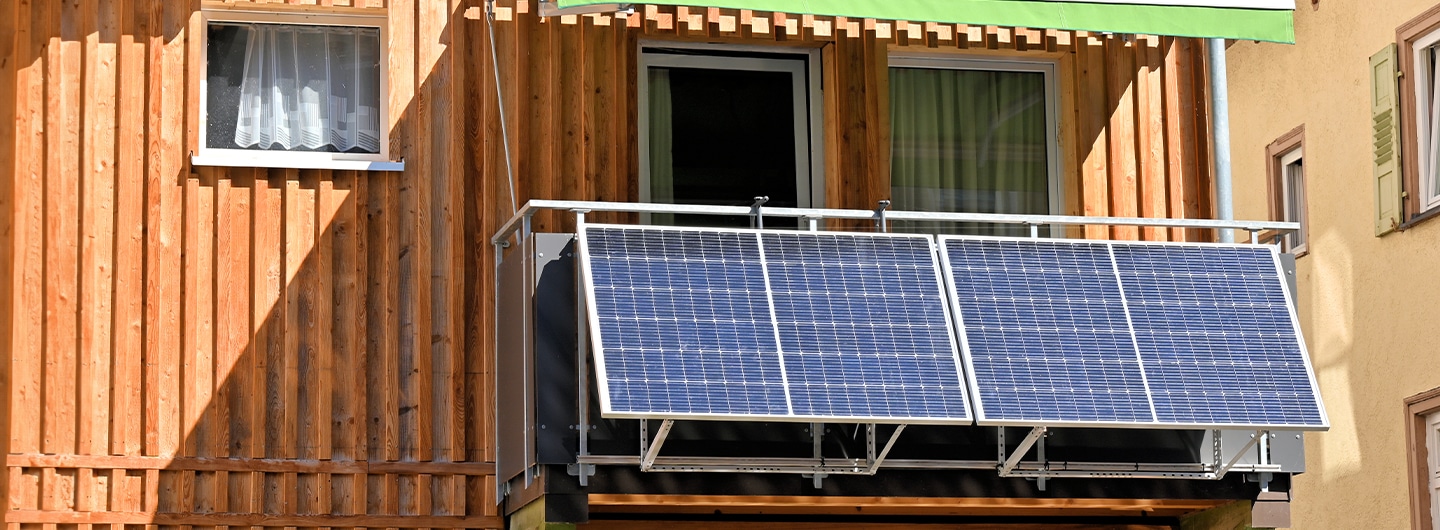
(1216, 335)
(863, 325)
(1046, 332)
(684, 322)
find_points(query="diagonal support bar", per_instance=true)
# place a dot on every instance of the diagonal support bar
(875, 464)
(653, 451)
(1220, 473)
(1020, 451)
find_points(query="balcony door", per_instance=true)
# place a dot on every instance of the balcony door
(721, 126)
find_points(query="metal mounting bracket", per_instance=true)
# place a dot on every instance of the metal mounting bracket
(648, 454)
(876, 460)
(1009, 464)
(1254, 439)
(756, 217)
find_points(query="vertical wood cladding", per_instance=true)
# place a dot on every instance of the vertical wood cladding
(277, 347)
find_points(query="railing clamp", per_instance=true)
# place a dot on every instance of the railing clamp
(757, 219)
(880, 220)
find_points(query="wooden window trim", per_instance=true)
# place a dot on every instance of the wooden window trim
(1405, 37)
(1417, 407)
(1295, 139)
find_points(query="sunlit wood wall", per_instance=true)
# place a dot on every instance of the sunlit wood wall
(309, 348)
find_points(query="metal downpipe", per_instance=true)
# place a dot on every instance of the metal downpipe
(1220, 136)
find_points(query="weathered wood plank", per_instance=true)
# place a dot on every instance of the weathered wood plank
(126, 436)
(198, 340)
(1093, 123)
(382, 354)
(62, 190)
(1120, 89)
(231, 406)
(322, 260)
(97, 225)
(9, 128)
(346, 325)
(1150, 103)
(168, 158)
(28, 339)
(267, 315)
(296, 406)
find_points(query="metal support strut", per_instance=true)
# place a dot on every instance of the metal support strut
(1014, 460)
(1254, 439)
(647, 458)
(582, 359)
(880, 221)
(880, 459)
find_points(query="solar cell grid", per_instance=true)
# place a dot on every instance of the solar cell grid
(1216, 336)
(863, 326)
(684, 323)
(1046, 333)
(705, 323)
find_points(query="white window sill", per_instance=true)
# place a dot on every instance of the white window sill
(260, 160)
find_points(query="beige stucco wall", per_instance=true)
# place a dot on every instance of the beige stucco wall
(1367, 304)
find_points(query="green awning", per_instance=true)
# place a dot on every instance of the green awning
(1266, 20)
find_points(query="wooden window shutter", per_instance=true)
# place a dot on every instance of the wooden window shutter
(1385, 131)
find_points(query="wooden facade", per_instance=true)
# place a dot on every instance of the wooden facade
(214, 346)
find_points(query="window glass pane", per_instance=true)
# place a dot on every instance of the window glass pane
(722, 136)
(293, 88)
(1295, 200)
(1431, 178)
(968, 141)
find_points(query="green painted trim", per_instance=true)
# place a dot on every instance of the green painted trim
(1274, 25)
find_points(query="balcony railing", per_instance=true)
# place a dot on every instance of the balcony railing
(1247, 451)
(882, 215)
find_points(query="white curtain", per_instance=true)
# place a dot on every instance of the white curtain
(310, 87)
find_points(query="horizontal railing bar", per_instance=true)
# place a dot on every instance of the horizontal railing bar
(848, 466)
(533, 206)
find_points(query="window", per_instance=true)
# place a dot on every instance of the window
(971, 135)
(1286, 173)
(298, 91)
(1417, 58)
(1427, 120)
(721, 125)
(1422, 433)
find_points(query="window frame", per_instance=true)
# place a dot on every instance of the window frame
(1049, 67)
(1418, 409)
(1411, 38)
(811, 193)
(214, 156)
(1287, 149)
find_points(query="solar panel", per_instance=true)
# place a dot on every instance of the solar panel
(1129, 333)
(684, 323)
(1216, 335)
(864, 327)
(804, 326)
(1048, 341)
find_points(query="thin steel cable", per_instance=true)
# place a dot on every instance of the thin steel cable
(500, 104)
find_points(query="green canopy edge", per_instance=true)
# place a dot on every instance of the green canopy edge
(1273, 25)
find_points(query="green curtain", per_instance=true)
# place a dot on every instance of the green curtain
(662, 140)
(968, 141)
